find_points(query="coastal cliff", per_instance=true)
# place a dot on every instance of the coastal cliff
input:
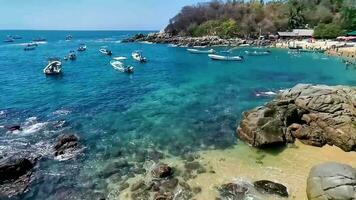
(315, 114)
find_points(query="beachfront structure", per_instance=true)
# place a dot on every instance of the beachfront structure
(297, 33)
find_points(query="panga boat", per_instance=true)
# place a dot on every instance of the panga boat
(29, 48)
(119, 58)
(121, 67)
(9, 39)
(82, 47)
(32, 44)
(225, 58)
(54, 67)
(106, 52)
(138, 56)
(196, 51)
(258, 53)
(69, 38)
(39, 40)
(72, 55)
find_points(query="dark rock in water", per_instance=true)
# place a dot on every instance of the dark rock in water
(66, 144)
(12, 168)
(163, 196)
(316, 115)
(15, 176)
(169, 184)
(115, 167)
(14, 128)
(331, 181)
(270, 187)
(233, 191)
(162, 171)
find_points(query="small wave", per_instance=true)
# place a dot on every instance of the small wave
(146, 42)
(70, 155)
(264, 94)
(61, 112)
(31, 125)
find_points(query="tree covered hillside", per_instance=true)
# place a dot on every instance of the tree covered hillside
(238, 18)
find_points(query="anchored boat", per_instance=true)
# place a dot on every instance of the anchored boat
(138, 56)
(9, 39)
(121, 67)
(39, 40)
(54, 67)
(69, 38)
(225, 58)
(106, 52)
(82, 47)
(196, 51)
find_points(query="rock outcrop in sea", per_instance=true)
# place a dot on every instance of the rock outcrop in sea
(165, 38)
(331, 181)
(315, 114)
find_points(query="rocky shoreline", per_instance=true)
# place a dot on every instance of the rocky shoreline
(315, 114)
(163, 38)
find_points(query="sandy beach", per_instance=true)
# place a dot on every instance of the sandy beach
(289, 166)
(334, 48)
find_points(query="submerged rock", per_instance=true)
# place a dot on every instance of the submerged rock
(270, 187)
(162, 171)
(331, 181)
(233, 191)
(66, 144)
(316, 115)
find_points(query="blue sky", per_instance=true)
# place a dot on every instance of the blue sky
(89, 14)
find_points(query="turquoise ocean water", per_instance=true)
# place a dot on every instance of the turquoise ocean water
(175, 103)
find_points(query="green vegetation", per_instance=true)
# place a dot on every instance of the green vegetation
(238, 18)
(328, 31)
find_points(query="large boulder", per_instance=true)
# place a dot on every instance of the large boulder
(162, 170)
(316, 115)
(15, 176)
(65, 144)
(13, 168)
(331, 181)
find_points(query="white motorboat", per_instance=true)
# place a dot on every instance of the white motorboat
(121, 67)
(53, 68)
(72, 55)
(82, 47)
(69, 38)
(106, 52)
(225, 58)
(138, 56)
(119, 58)
(196, 51)
(258, 53)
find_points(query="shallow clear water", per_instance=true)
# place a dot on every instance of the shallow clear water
(175, 103)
